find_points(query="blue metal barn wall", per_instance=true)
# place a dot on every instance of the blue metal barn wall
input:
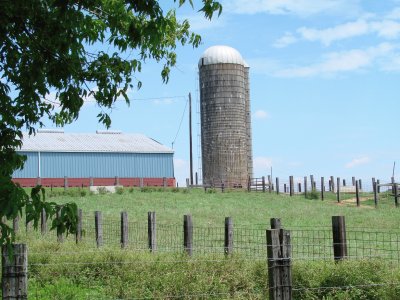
(101, 165)
(30, 169)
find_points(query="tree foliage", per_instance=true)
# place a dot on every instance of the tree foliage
(57, 47)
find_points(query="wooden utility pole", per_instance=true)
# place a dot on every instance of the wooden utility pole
(190, 139)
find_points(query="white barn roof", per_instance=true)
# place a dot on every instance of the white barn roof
(102, 141)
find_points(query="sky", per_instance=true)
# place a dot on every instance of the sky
(324, 87)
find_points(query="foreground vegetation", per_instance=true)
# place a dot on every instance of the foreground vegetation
(70, 271)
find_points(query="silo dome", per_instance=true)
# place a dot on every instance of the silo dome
(221, 55)
(225, 117)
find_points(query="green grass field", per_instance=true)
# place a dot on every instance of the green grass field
(70, 271)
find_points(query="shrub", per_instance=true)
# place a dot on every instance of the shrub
(131, 189)
(312, 195)
(83, 192)
(119, 190)
(102, 190)
(211, 191)
(175, 190)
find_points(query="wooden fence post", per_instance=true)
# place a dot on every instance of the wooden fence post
(333, 184)
(375, 189)
(284, 188)
(196, 179)
(263, 184)
(360, 184)
(338, 189)
(275, 223)
(312, 181)
(378, 187)
(60, 237)
(396, 194)
(78, 235)
(299, 187)
(16, 224)
(322, 188)
(277, 185)
(152, 231)
(249, 184)
(353, 181)
(357, 194)
(98, 223)
(279, 264)
(124, 229)
(339, 238)
(291, 186)
(188, 234)
(344, 182)
(43, 222)
(228, 236)
(15, 272)
(270, 186)
(305, 186)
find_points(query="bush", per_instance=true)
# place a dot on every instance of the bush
(119, 190)
(83, 192)
(102, 190)
(312, 195)
(211, 191)
(175, 190)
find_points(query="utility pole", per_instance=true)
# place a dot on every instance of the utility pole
(190, 139)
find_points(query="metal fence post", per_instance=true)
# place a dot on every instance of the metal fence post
(228, 236)
(78, 235)
(151, 231)
(124, 229)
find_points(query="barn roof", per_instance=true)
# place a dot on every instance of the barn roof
(101, 141)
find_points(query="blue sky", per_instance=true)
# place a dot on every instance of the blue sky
(324, 79)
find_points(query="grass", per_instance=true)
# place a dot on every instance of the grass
(247, 209)
(70, 271)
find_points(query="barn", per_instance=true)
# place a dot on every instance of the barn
(55, 158)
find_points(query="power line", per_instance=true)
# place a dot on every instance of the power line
(180, 124)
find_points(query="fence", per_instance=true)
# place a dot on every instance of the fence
(354, 191)
(281, 247)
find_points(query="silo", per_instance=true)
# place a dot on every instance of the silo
(225, 117)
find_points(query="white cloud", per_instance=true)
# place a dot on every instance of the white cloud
(327, 36)
(336, 62)
(358, 162)
(385, 29)
(293, 7)
(394, 14)
(285, 41)
(261, 114)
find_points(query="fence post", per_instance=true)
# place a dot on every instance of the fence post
(270, 186)
(339, 238)
(299, 187)
(277, 185)
(353, 181)
(165, 181)
(275, 223)
(322, 188)
(60, 238)
(284, 188)
(291, 187)
(263, 184)
(249, 184)
(16, 224)
(197, 179)
(116, 182)
(396, 195)
(375, 189)
(152, 231)
(279, 265)
(15, 272)
(312, 181)
(188, 234)
(43, 222)
(338, 189)
(357, 194)
(305, 186)
(78, 235)
(228, 236)
(98, 223)
(378, 190)
(360, 184)
(65, 182)
(124, 229)
(333, 184)
(344, 182)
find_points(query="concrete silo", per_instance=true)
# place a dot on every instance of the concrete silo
(225, 117)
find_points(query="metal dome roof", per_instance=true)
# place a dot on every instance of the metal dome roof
(221, 55)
